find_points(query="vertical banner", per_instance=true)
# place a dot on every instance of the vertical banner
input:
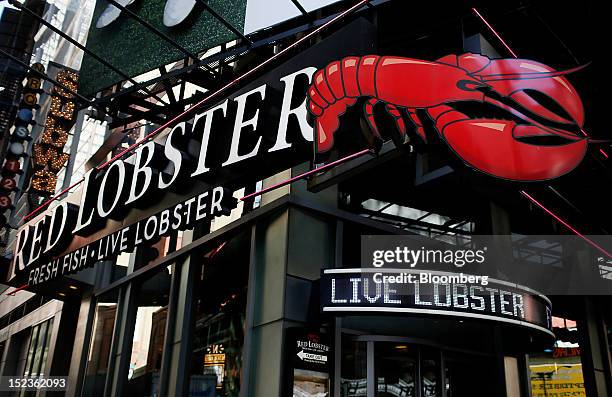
(48, 155)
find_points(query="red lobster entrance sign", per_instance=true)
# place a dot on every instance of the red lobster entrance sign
(504, 148)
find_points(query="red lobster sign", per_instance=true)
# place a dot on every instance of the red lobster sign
(499, 147)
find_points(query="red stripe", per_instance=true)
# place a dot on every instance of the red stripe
(494, 32)
(305, 174)
(13, 292)
(567, 225)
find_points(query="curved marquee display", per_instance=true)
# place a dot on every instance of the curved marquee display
(433, 293)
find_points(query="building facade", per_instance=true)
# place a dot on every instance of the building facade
(219, 257)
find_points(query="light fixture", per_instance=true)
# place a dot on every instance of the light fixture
(73, 287)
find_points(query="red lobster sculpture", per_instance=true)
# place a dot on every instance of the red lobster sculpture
(495, 146)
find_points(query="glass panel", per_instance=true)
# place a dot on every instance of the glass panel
(33, 339)
(430, 372)
(395, 369)
(40, 346)
(99, 349)
(559, 368)
(353, 378)
(220, 294)
(43, 364)
(148, 338)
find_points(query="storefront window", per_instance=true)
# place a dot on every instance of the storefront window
(395, 367)
(559, 369)
(430, 372)
(37, 351)
(99, 349)
(353, 381)
(220, 294)
(148, 338)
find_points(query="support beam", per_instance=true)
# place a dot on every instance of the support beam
(167, 85)
(80, 46)
(45, 77)
(300, 7)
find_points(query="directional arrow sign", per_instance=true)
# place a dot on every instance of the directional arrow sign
(314, 357)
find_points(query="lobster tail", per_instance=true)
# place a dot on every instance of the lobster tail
(335, 88)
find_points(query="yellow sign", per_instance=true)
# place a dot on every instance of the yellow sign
(557, 380)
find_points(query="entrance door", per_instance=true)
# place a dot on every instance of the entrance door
(469, 375)
(376, 366)
(396, 367)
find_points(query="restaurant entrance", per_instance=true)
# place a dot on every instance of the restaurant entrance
(384, 366)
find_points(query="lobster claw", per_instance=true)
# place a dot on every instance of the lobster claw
(537, 88)
(492, 147)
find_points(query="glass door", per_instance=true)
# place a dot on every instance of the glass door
(396, 369)
(378, 366)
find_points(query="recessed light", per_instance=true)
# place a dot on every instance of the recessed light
(61, 294)
(73, 287)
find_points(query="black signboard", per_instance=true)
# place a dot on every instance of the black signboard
(309, 373)
(433, 293)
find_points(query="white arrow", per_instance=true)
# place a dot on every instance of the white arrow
(310, 356)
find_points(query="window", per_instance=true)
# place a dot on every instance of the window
(148, 338)
(99, 349)
(559, 368)
(220, 298)
(38, 349)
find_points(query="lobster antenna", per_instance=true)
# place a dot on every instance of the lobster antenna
(532, 75)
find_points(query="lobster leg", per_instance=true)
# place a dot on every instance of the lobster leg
(368, 110)
(394, 112)
(417, 123)
(397, 116)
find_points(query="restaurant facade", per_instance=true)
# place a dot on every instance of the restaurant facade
(384, 200)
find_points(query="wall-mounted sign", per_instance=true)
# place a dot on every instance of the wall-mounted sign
(36, 254)
(214, 363)
(311, 356)
(500, 147)
(257, 131)
(433, 293)
(48, 154)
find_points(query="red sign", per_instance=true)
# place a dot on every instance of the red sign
(541, 137)
(560, 352)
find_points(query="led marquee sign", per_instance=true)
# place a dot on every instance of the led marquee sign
(433, 293)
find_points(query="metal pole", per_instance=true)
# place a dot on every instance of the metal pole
(81, 47)
(300, 7)
(228, 25)
(44, 76)
(159, 33)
